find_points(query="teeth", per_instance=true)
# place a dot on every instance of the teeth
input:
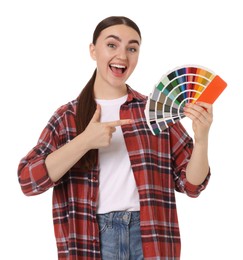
(118, 66)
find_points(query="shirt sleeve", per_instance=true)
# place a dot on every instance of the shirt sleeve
(32, 172)
(182, 146)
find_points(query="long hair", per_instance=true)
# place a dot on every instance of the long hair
(86, 102)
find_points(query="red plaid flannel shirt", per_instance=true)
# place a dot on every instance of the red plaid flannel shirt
(158, 164)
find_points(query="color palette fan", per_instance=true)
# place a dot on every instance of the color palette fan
(182, 85)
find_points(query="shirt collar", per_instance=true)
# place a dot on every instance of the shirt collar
(134, 95)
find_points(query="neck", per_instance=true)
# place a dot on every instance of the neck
(101, 92)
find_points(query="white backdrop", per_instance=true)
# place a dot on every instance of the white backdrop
(44, 63)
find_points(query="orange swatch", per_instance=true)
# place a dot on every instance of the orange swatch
(213, 90)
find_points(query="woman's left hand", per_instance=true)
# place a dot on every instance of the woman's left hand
(201, 114)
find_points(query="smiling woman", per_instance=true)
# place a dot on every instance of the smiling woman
(118, 48)
(113, 181)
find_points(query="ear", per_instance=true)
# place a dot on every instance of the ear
(92, 51)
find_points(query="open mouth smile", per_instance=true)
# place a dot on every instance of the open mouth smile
(117, 68)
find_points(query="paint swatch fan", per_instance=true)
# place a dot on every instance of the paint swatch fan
(182, 85)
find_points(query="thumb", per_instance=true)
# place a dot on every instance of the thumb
(97, 114)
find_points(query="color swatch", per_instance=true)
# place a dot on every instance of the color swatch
(185, 84)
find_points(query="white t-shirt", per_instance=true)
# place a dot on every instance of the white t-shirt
(117, 187)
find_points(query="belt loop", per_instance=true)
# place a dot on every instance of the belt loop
(127, 217)
(110, 219)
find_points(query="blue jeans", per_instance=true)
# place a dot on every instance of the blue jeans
(120, 236)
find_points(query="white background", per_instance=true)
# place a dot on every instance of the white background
(44, 63)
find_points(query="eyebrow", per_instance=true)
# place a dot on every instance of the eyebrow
(119, 39)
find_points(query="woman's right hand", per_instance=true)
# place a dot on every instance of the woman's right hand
(98, 134)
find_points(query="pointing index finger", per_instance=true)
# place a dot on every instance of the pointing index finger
(120, 122)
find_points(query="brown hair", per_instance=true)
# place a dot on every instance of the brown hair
(86, 102)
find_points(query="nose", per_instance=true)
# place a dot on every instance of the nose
(122, 54)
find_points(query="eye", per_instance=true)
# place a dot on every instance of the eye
(111, 45)
(132, 49)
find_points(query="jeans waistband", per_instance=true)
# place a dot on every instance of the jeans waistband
(120, 217)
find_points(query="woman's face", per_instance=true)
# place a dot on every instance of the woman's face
(116, 53)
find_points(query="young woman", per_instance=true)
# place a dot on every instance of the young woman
(113, 181)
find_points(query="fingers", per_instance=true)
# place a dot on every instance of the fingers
(99, 134)
(119, 122)
(208, 107)
(198, 107)
(97, 114)
(199, 111)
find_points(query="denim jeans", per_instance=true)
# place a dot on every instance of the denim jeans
(120, 236)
